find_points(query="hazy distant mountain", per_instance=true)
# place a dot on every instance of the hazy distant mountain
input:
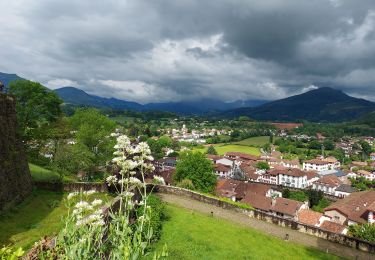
(79, 97)
(75, 96)
(7, 78)
(323, 104)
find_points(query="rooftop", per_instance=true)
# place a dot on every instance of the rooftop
(355, 206)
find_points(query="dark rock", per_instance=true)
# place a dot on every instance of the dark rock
(15, 178)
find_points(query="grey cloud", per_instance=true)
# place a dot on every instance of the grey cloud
(228, 49)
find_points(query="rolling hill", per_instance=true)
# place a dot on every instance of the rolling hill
(323, 104)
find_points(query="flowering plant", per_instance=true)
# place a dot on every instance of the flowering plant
(126, 233)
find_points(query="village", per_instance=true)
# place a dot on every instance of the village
(263, 182)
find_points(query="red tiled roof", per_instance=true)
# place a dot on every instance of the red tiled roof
(258, 201)
(316, 161)
(286, 206)
(242, 155)
(360, 164)
(221, 167)
(355, 206)
(241, 188)
(329, 180)
(213, 157)
(311, 174)
(332, 226)
(288, 171)
(363, 172)
(309, 217)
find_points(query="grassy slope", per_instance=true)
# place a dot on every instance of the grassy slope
(37, 216)
(191, 235)
(223, 148)
(41, 174)
(255, 141)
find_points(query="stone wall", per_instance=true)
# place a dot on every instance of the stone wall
(69, 187)
(311, 230)
(15, 178)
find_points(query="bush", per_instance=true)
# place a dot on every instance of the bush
(157, 215)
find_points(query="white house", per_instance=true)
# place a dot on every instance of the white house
(372, 156)
(328, 184)
(316, 165)
(366, 174)
(223, 171)
(292, 177)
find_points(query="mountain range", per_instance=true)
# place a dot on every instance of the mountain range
(319, 105)
(75, 96)
(322, 104)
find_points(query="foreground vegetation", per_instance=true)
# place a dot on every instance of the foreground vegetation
(39, 215)
(191, 235)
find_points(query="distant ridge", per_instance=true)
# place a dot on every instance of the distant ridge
(75, 96)
(6, 78)
(323, 104)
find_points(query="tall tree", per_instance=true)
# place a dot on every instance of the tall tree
(211, 150)
(36, 105)
(196, 167)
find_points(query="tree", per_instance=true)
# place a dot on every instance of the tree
(262, 165)
(211, 150)
(364, 231)
(36, 105)
(93, 131)
(70, 159)
(197, 168)
(92, 126)
(286, 193)
(271, 138)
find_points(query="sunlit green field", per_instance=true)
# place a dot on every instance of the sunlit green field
(255, 141)
(224, 148)
(39, 215)
(192, 235)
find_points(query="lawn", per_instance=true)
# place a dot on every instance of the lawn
(257, 141)
(223, 148)
(39, 215)
(39, 173)
(192, 235)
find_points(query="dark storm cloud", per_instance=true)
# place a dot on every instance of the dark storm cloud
(162, 50)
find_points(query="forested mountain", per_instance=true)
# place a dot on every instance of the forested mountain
(323, 104)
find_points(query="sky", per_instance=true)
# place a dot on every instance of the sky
(173, 50)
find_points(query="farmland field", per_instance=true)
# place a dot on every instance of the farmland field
(255, 141)
(223, 148)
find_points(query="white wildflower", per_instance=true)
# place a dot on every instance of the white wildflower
(89, 192)
(83, 205)
(111, 180)
(159, 180)
(128, 194)
(72, 195)
(96, 202)
(99, 223)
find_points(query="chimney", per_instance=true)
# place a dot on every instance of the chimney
(273, 202)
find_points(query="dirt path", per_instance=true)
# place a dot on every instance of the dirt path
(274, 230)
